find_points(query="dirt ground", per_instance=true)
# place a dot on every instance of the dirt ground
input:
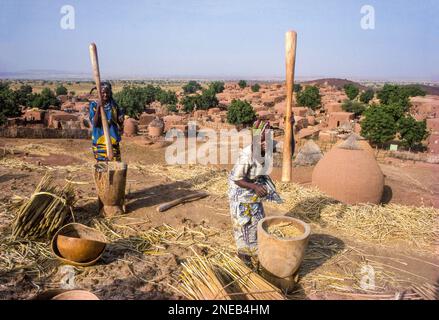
(124, 274)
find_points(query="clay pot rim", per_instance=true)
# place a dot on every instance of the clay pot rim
(87, 293)
(55, 252)
(305, 225)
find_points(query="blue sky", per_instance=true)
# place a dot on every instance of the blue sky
(223, 39)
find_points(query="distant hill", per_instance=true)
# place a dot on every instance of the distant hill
(339, 83)
(432, 90)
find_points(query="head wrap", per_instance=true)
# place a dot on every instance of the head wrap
(260, 126)
(104, 85)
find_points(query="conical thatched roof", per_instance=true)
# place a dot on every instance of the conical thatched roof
(309, 154)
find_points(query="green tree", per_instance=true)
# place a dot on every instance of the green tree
(366, 96)
(414, 90)
(24, 95)
(256, 87)
(217, 86)
(133, 99)
(297, 87)
(411, 132)
(45, 99)
(208, 100)
(240, 112)
(167, 97)
(191, 87)
(8, 102)
(242, 84)
(394, 94)
(378, 126)
(353, 106)
(351, 91)
(61, 90)
(310, 97)
(204, 101)
(190, 103)
(171, 107)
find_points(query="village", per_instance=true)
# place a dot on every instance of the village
(148, 249)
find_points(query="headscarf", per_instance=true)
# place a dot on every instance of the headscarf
(105, 85)
(259, 127)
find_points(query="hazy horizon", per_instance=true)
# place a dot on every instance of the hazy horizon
(221, 39)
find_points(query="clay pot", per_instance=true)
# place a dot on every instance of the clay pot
(281, 257)
(79, 245)
(64, 294)
(130, 127)
(75, 295)
(351, 176)
(155, 131)
(110, 179)
(155, 128)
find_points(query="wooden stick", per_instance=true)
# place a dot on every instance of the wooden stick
(173, 203)
(290, 52)
(97, 77)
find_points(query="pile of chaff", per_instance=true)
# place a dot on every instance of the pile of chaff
(40, 216)
(373, 223)
(224, 277)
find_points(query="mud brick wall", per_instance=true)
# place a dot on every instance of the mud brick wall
(44, 133)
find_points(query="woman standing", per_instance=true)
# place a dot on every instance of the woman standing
(115, 117)
(246, 191)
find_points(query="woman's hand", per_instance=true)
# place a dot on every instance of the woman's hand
(261, 191)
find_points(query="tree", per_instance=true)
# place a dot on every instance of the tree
(297, 87)
(190, 103)
(24, 95)
(208, 100)
(310, 97)
(8, 102)
(394, 94)
(217, 86)
(353, 106)
(366, 96)
(414, 90)
(167, 97)
(256, 87)
(378, 126)
(204, 101)
(411, 132)
(242, 84)
(45, 99)
(132, 100)
(351, 91)
(191, 87)
(61, 90)
(171, 107)
(240, 112)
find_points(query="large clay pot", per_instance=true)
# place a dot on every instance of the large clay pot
(78, 245)
(352, 176)
(110, 179)
(281, 257)
(75, 295)
(130, 127)
(155, 128)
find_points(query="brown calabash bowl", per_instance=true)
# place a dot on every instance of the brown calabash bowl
(78, 245)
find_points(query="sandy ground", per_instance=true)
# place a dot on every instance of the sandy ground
(132, 275)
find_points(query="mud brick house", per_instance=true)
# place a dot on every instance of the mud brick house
(300, 111)
(34, 115)
(145, 119)
(433, 139)
(336, 119)
(54, 119)
(333, 107)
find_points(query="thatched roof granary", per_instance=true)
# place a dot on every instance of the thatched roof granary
(350, 174)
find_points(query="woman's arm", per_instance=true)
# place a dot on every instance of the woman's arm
(97, 115)
(261, 191)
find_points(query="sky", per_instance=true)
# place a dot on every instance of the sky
(223, 39)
